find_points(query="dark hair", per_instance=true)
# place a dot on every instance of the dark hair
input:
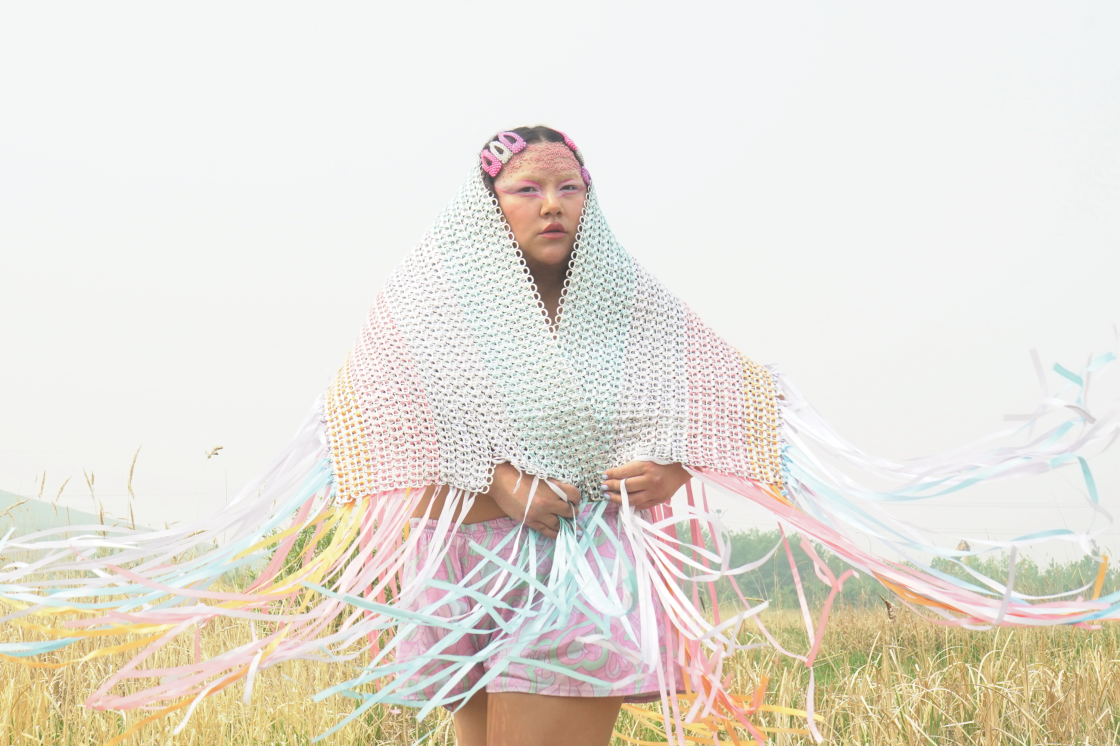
(530, 135)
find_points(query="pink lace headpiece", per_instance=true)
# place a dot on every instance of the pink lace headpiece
(505, 145)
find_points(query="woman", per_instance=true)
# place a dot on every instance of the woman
(541, 193)
(483, 495)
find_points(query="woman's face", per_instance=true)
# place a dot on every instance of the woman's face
(541, 193)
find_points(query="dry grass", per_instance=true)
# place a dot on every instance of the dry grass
(45, 707)
(879, 682)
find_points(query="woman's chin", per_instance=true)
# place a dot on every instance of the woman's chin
(547, 256)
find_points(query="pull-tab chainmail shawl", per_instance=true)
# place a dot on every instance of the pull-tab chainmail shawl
(456, 368)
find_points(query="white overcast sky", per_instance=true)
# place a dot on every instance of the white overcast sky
(893, 201)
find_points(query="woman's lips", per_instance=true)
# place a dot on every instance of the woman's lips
(554, 230)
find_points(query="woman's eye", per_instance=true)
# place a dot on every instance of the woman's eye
(526, 190)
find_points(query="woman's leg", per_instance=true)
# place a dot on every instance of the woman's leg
(516, 719)
(470, 721)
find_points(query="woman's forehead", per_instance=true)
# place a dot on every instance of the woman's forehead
(548, 157)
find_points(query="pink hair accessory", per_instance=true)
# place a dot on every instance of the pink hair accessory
(503, 147)
(501, 151)
(568, 141)
(586, 175)
(511, 140)
(490, 163)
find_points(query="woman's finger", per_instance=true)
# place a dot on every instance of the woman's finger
(549, 506)
(572, 493)
(561, 490)
(560, 508)
(627, 470)
(641, 500)
(636, 499)
(633, 484)
(540, 528)
(550, 520)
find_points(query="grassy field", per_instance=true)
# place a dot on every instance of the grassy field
(879, 682)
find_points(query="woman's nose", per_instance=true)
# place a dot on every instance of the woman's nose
(550, 205)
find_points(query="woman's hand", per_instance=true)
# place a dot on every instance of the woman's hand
(647, 483)
(547, 507)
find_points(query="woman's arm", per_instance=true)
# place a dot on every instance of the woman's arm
(501, 499)
(647, 483)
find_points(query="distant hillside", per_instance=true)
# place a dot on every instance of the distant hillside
(37, 515)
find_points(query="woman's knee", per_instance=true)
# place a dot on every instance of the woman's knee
(515, 719)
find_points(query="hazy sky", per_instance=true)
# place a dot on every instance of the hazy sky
(894, 202)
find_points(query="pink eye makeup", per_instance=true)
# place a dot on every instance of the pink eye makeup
(535, 189)
(521, 187)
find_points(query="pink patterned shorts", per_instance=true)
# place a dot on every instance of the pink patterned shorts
(589, 670)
